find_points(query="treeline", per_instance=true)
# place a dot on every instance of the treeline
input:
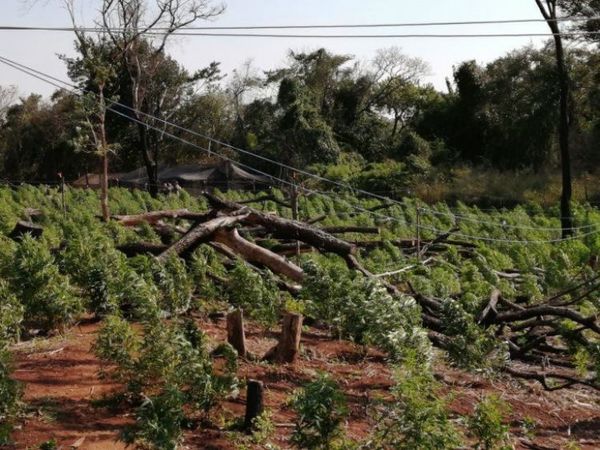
(375, 123)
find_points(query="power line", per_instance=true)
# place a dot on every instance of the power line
(216, 141)
(462, 217)
(47, 79)
(315, 26)
(182, 32)
(40, 76)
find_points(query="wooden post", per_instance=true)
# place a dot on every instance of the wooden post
(235, 332)
(294, 204)
(288, 347)
(254, 403)
(62, 193)
(418, 234)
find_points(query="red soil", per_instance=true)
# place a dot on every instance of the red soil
(60, 380)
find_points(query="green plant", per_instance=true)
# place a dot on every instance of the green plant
(49, 445)
(257, 295)
(362, 310)
(11, 314)
(487, 426)
(167, 372)
(49, 300)
(417, 416)
(320, 407)
(263, 428)
(10, 393)
(159, 420)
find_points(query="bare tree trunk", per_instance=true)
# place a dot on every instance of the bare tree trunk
(104, 156)
(549, 13)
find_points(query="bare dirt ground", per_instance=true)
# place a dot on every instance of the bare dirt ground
(60, 381)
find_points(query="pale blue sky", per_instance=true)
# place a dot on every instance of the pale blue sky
(40, 49)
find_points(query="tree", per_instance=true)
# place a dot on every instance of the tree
(549, 8)
(154, 85)
(94, 106)
(7, 97)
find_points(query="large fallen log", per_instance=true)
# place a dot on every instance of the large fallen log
(199, 232)
(257, 254)
(287, 228)
(156, 216)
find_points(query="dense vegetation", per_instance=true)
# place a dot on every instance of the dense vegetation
(375, 123)
(165, 363)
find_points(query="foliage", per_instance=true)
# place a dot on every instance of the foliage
(257, 296)
(49, 300)
(469, 345)
(168, 373)
(487, 426)
(360, 309)
(10, 394)
(320, 407)
(417, 417)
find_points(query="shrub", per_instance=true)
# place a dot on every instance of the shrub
(48, 298)
(486, 424)
(361, 309)
(10, 393)
(158, 421)
(469, 346)
(321, 408)
(11, 314)
(168, 372)
(417, 416)
(258, 296)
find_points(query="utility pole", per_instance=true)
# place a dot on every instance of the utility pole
(548, 8)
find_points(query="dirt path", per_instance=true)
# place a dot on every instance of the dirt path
(60, 379)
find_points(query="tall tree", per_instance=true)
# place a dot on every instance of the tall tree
(549, 9)
(140, 31)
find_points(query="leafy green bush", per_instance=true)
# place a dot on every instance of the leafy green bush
(362, 310)
(158, 421)
(10, 393)
(258, 296)
(49, 300)
(417, 416)
(320, 407)
(168, 373)
(11, 314)
(487, 426)
(469, 346)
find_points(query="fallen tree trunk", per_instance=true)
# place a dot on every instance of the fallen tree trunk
(155, 216)
(22, 228)
(199, 232)
(257, 254)
(287, 228)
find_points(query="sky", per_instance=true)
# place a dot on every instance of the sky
(41, 49)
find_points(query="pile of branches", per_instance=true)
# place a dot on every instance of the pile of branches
(529, 330)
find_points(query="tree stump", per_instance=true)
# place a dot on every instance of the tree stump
(254, 403)
(288, 347)
(235, 332)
